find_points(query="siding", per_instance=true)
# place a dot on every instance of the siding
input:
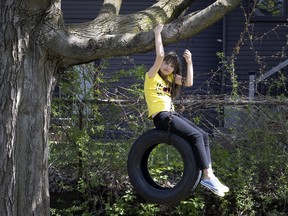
(75, 11)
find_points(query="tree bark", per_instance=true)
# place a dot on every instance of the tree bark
(35, 46)
(26, 84)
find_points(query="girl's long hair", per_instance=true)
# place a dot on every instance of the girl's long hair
(173, 58)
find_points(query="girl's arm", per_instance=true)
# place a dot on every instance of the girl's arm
(159, 51)
(190, 73)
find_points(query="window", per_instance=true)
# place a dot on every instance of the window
(270, 10)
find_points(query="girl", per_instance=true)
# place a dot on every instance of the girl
(158, 90)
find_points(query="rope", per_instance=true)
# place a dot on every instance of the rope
(183, 75)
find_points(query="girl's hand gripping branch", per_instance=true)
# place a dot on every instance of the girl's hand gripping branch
(159, 51)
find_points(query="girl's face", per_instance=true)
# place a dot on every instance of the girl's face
(166, 68)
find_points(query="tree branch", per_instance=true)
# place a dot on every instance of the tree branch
(36, 4)
(110, 7)
(194, 23)
(164, 11)
(98, 39)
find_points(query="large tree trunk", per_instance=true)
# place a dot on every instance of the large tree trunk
(24, 134)
(26, 82)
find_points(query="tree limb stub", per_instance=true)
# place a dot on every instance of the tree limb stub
(110, 7)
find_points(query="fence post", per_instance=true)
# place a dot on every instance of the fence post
(81, 125)
(251, 85)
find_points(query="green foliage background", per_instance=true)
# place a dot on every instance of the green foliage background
(93, 129)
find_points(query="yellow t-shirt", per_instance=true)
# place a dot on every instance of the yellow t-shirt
(157, 95)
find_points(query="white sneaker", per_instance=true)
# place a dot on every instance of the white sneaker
(213, 186)
(224, 188)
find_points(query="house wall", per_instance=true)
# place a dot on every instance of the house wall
(75, 11)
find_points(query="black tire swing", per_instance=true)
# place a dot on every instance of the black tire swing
(141, 178)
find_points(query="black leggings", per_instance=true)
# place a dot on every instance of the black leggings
(188, 130)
